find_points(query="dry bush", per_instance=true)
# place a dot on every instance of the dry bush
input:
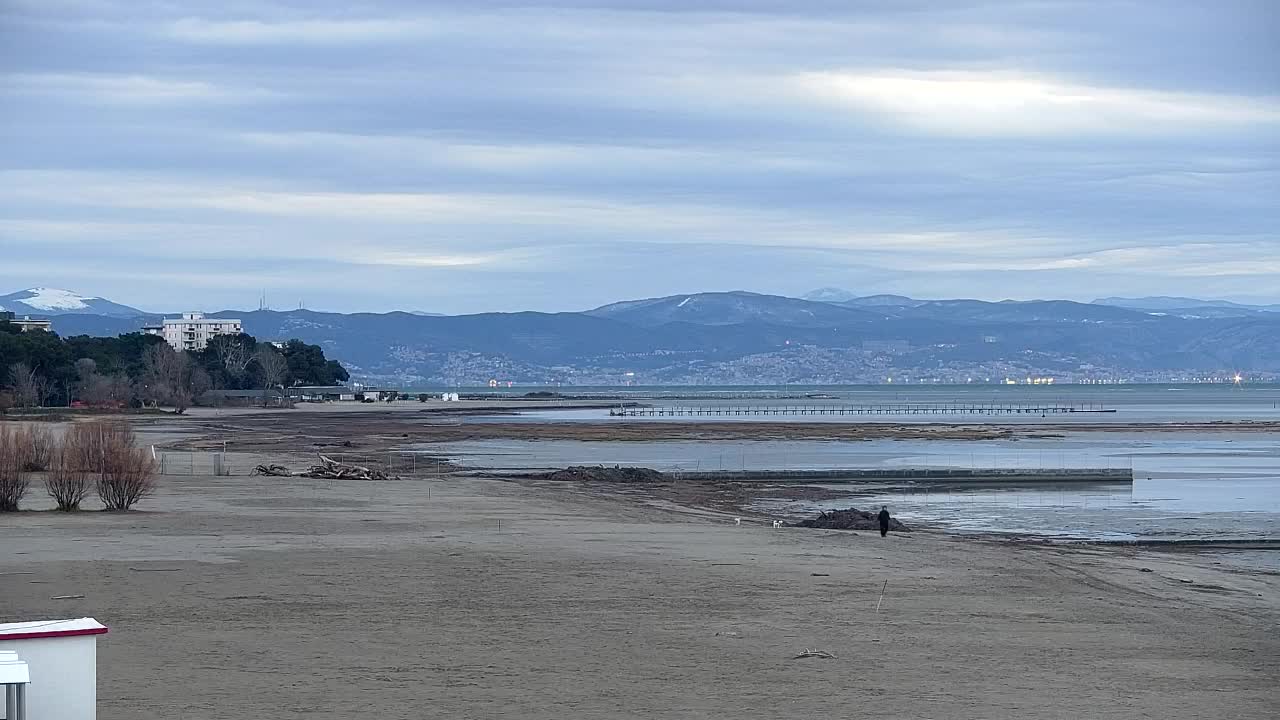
(13, 475)
(108, 453)
(128, 475)
(40, 445)
(66, 482)
(87, 445)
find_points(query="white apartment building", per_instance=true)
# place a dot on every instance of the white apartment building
(25, 323)
(193, 330)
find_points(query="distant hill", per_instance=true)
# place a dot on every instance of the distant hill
(1022, 311)
(742, 337)
(729, 308)
(884, 301)
(1175, 304)
(838, 296)
(48, 302)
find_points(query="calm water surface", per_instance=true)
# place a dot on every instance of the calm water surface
(1188, 485)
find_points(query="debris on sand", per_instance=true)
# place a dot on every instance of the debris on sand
(272, 471)
(328, 469)
(850, 519)
(600, 473)
(807, 653)
(331, 469)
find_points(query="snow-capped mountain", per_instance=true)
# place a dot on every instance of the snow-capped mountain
(729, 308)
(829, 295)
(53, 301)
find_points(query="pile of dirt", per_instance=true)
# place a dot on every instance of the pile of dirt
(851, 519)
(600, 473)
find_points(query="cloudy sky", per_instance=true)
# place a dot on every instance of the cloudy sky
(474, 156)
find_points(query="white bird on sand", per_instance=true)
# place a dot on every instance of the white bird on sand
(737, 521)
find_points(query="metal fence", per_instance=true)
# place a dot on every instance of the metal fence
(195, 463)
(396, 464)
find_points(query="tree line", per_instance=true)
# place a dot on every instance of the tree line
(42, 369)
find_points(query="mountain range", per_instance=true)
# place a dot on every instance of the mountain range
(742, 337)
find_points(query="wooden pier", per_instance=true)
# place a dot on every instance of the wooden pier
(852, 410)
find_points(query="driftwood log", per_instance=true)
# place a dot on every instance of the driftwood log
(272, 471)
(333, 470)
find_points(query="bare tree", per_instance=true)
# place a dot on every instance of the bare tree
(45, 389)
(91, 388)
(85, 368)
(26, 383)
(68, 479)
(177, 371)
(273, 368)
(40, 445)
(120, 388)
(232, 352)
(152, 387)
(13, 473)
(171, 377)
(189, 381)
(128, 475)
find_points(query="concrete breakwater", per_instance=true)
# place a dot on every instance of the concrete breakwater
(848, 476)
(938, 476)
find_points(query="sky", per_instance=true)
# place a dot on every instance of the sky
(483, 156)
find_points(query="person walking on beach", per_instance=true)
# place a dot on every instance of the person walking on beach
(884, 520)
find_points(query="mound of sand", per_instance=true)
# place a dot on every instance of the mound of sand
(850, 519)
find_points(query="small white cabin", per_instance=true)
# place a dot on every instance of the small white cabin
(62, 661)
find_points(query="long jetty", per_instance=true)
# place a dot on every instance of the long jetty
(921, 476)
(850, 410)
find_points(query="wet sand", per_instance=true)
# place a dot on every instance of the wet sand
(477, 598)
(406, 424)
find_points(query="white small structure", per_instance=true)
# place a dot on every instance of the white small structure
(14, 676)
(25, 323)
(61, 657)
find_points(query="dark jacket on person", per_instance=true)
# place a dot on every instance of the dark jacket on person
(884, 520)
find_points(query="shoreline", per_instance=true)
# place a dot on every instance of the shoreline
(379, 425)
(483, 597)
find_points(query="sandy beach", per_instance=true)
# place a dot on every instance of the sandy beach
(468, 597)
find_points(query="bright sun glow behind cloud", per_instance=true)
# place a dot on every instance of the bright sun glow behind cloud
(996, 103)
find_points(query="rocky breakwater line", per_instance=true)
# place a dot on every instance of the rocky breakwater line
(600, 473)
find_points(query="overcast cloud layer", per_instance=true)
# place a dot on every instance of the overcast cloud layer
(474, 156)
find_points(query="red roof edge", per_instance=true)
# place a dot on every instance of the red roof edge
(53, 634)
